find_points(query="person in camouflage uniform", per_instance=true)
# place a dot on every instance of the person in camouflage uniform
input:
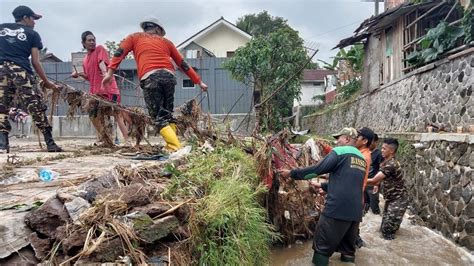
(395, 192)
(17, 82)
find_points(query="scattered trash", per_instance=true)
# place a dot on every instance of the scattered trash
(27, 176)
(180, 153)
(207, 147)
(153, 157)
(47, 175)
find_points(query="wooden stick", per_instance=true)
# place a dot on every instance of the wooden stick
(427, 13)
(451, 10)
(169, 256)
(172, 209)
(288, 80)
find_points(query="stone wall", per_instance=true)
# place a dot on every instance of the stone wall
(439, 93)
(440, 180)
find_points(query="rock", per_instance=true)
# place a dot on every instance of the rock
(455, 193)
(460, 225)
(467, 194)
(47, 218)
(107, 251)
(445, 230)
(153, 209)
(461, 76)
(183, 213)
(469, 227)
(74, 242)
(40, 246)
(159, 229)
(75, 207)
(446, 181)
(431, 205)
(467, 241)
(460, 207)
(448, 78)
(466, 178)
(64, 197)
(464, 159)
(451, 222)
(424, 214)
(92, 187)
(182, 233)
(133, 195)
(140, 220)
(452, 207)
(469, 210)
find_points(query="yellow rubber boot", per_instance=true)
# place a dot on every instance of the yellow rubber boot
(172, 142)
(173, 126)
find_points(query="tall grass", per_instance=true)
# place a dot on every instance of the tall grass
(228, 225)
(204, 169)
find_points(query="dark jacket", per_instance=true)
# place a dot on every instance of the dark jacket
(346, 167)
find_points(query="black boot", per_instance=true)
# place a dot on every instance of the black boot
(347, 258)
(320, 260)
(4, 144)
(50, 144)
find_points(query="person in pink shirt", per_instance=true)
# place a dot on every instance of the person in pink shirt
(95, 67)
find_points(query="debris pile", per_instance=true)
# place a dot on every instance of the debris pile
(292, 207)
(107, 217)
(222, 204)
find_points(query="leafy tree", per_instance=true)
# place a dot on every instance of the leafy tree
(265, 63)
(274, 54)
(112, 46)
(261, 24)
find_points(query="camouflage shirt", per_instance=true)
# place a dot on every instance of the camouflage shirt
(394, 184)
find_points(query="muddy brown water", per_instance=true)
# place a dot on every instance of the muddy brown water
(414, 245)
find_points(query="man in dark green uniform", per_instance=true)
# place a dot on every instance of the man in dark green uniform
(339, 222)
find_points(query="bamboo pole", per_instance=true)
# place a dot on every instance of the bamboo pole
(427, 13)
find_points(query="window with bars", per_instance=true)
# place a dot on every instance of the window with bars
(418, 22)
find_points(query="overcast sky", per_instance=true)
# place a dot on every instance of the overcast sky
(321, 23)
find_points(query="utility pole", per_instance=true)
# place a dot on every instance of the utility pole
(376, 2)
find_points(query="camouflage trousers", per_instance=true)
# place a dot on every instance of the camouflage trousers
(158, 91)
(393, 215)
(18, 89)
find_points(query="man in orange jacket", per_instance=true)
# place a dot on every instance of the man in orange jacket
(154, 55)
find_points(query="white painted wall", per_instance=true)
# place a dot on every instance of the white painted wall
(221, 40)
(308, 91)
